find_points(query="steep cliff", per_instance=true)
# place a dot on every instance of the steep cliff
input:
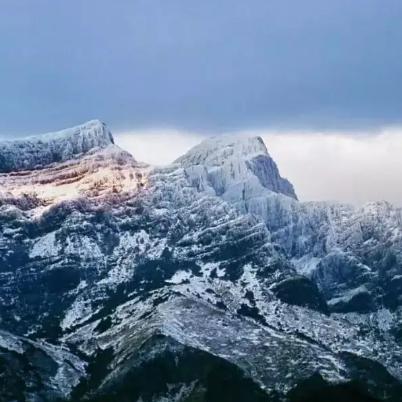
(206, 276)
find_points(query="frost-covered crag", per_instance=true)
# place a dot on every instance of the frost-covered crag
(205, 280)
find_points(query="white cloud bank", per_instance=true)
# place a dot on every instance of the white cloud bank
(352, 168)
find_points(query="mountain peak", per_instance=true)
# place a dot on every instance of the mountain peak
(239, 167)
(215, 151)
(39, 151)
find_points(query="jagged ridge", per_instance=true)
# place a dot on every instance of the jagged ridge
(93, 278)
(40, 151)
(237, 167)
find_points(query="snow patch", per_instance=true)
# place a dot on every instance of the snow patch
(84, 246)
(385, 319)
(45, 247)
(79, 311)
(9, 342)
(179, 277)
(306, 265)
(207, 268)
(348, 296)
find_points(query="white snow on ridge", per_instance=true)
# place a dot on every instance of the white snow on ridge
(78, 312)
(28, 153)
(296, 224)
(348, 296)
(130, 248)
(385, 319)
(237, 168)
(10, 342)
(92, 129)
(179, 277)
(306, 265)
(45, 247)
(84, 246)
(207, 268)
(216, 150)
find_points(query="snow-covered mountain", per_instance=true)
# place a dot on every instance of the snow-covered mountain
(204, 280)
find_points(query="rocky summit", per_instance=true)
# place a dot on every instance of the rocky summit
(202, 281)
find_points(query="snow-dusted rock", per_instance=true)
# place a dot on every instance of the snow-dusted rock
(37, 152)
(237, 168)
(340, 247)
(36, 370)
(209, 262)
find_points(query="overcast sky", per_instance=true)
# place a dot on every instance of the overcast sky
(205, 67)
(200, 65)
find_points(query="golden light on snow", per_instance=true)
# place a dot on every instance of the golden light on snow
(110, 171)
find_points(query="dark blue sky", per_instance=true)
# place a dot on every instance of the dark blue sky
(206, 65)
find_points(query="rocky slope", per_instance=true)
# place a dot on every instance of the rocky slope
(205, 280)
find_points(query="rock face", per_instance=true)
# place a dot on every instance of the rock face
(205, 280)
(236, 168)
(37, 152)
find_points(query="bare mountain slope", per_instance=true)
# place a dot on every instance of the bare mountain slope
(204, 275)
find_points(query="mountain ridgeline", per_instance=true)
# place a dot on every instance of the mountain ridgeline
(205, 280)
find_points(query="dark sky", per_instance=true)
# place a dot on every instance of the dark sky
(205, 65)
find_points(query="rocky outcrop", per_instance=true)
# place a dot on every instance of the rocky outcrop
(207, 271)
(38, 152)
(36, 371)
(237, 168)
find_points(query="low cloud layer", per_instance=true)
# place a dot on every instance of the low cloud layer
(331, 166)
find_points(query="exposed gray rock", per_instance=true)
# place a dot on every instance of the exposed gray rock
(211, 260)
